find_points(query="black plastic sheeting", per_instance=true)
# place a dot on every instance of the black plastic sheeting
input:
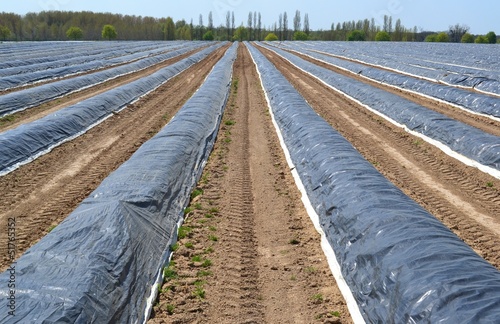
(26, 142)
(24, 99)
(115, 54)
(17, 80)
(472, 101)
(461, 138)
(100, 264)
(401, 264)
(462, 65)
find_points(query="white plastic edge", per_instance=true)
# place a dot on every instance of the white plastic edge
(447, 150)
(401, 89)
(325, 245)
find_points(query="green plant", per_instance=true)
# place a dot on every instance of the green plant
(208, 215)
(74, 33)
(196, 258)
(229, 122)
(189, 245)
(235, 84)
(300, 36)
(5, 119)
(184, 231)
(318, 297)
(213, 238)
(203, 273)
(170, 309)
(109, 32)
(206, 263)
(169, 273)
(271, 37)
(382, 36)
(174, 247)
(213, 228)
(489, 184)
(208, 250)
(310, 269)
(188, 210)
(491, 37)
(51, 228)
(356, 36)
(198, 206)
(294, 242)
(199, 292)
(213, 210)
(196, 192)
(335, 313)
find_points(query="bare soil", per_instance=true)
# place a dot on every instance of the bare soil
(41, 194)
(463, 198)
(266, 264)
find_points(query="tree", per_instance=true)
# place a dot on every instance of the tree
(300, 36)
(456, 32)
(169, 29)
(307, 29)
(240, 34)
(210, 21)
(285, 26)
(356, 36)
(432, 38)
(442, 38)
(74, 33)
(109, 32)
(492, 37)
(228, 25)
(382, 36)
(296, 22)
(259, 27)
(4, 32)
(481, 40)
(467, 38)
(208, 36)
(280, 28)
(250, 19)
(271, 37)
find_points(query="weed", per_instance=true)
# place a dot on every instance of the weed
(318, 298)
(165, 117)
(310, 270)
(196, 258)
(184, 231)
(293, 277)
(229, 122)
(202, 221)
(5, 119)
(196, 193)
(418, 142)
(489, 184)
(188, 210)
(213, 228)
(208, 250)
(208, 215)
(174, 247)
(205, 177)
(206, 263)
(189, 245)
(336, 313)
(294, 242)
(203, 273)
(227, 140)
(170, 309)
(214, 210)
(198, 206)
(169, 273)
(235, 84)
(51, 228)
(199, 292)
(213, 238)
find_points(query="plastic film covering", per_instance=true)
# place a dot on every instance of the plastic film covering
(466, 140)
(24, 99)
(473, 101)
(461, 65)
(109, 56)
(401, 264)
(26, 142)
(100, 264)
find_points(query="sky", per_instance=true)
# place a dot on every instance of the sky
(428, 15)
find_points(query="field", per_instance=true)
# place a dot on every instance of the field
(294, 182)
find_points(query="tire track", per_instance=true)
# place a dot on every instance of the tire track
(463, 198)
(41, 194)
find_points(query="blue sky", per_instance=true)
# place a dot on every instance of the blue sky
(435, 15)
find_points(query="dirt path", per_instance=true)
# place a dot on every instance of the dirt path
(47, 108)
(463, 198)
(42, 193)
(250, 253)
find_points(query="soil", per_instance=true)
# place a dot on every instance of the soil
(266, 264)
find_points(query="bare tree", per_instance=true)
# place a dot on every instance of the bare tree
(232, 24)
(255, 25)
(250, 19)
(296, 21)
(280, 24)
(386, 23)
(228, 25)
(457, 31)
(259, 27)
(307, 29)
(285, 26)
(210, 21)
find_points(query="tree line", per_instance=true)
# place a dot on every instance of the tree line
(86, 25)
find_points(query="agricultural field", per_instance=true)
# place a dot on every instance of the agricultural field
(262, 182)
